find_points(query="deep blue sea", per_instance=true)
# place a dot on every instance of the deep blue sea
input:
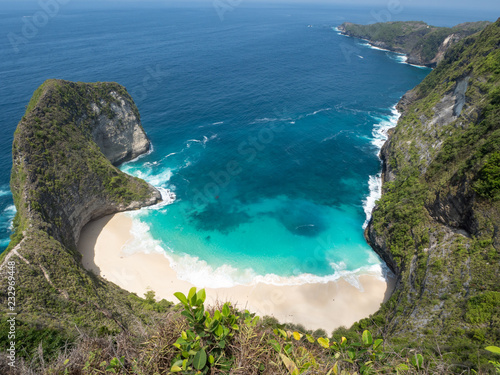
(266, 124)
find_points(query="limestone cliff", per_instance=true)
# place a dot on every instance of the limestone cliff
(437, 224)
(422, 43)
(63, 177)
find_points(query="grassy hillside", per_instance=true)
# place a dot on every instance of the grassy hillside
(437, 222)
(60, 179)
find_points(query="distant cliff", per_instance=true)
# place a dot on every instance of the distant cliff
(437, 224)
(63, 177)
(422, 43)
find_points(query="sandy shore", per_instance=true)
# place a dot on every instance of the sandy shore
(327, 305)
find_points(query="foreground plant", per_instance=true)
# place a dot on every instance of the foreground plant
(204, 345)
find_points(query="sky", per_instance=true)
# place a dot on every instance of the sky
(494, 5)
(477, 8)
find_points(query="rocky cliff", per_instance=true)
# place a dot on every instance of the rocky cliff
(63, 177)
(437, 224)
(422, 43)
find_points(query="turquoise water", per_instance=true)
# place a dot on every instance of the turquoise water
(266, 126)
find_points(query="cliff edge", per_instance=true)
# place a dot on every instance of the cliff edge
(437, 224)
(424, 44)
(63, 177)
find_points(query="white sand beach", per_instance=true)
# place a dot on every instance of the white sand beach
(322, 305)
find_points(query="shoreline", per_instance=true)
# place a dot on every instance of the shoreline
(372, 45)
(315, 306)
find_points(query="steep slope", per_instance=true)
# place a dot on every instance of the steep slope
(424, 44)
(437, 224)
(61, 179)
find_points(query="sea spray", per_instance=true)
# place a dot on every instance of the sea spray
(379, 134)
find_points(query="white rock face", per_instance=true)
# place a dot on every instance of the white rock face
(121, 138)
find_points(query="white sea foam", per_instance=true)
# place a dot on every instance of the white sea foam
(218, 123)
(8, 215)
(5, 192)
(199, 273)
(141, 240)
(263, 120)
(168, 197)
(203, 141)
(419, 66)
(375, 186)
(379, 135)
(171, 154)
(402, 58)
(318, 111)
(367, 44)
(151, 150)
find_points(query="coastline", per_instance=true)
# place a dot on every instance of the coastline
(371, 44)
(315, 306)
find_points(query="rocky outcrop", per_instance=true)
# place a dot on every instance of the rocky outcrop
(70, 179)
(423, 44)
(63, 177)
(436, 225)
(121, 137)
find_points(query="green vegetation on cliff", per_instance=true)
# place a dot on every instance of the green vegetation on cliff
(437, 222)
(424, 44)
(60, 180)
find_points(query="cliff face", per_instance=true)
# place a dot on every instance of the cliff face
(437, 223)
(422, 43)
(121, 137)
(63, 177)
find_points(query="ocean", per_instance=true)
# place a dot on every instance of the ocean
(266, 124)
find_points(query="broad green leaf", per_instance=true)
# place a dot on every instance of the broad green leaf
(417, 360)
(297, 336)
(214, 326)
(377, 344)
(192, 295)
(351, 353)
(493, 349)
(211, 359)
(367, 338)
(402, 367)
(201, 296)
(275, 345)
(219, 331)
(310, 338)
(325, 343)
(181, 297)
(225, 310)
(289, 364)
(200, 360)
(282, 333)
